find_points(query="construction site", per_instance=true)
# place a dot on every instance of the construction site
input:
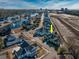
(39, 34)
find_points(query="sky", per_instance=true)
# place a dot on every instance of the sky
(37, 4)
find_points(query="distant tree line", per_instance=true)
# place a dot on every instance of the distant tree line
(73, 12)
(12, 12)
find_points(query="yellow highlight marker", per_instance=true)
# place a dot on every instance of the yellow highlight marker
(51, 28)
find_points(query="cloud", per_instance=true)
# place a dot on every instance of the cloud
(30, 4)
(74, 6)
(62, 4)
(56, 5)
(16, 4)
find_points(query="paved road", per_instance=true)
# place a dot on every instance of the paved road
(41, 22)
